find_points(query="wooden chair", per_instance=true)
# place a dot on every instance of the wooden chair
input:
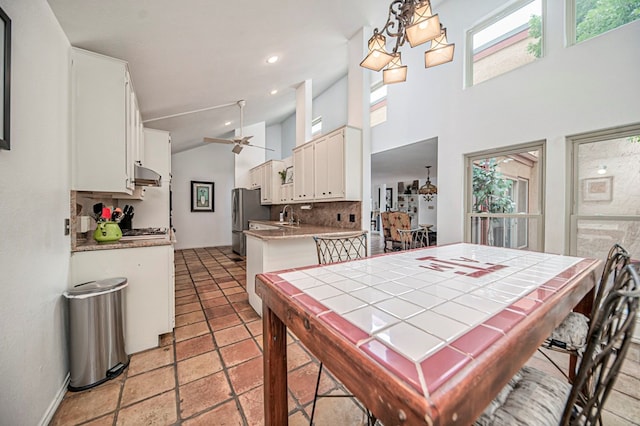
(533, 397)
(333, 249)
(391, 223)
(570, 336)
(413, 238)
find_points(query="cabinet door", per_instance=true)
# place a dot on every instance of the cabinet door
(335, 166)
(321, 164)
(266, 191)
(100, 156)
(255, 176)
(298, 173)
(308, 172)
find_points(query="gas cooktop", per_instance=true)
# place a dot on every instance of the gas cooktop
(143, 233)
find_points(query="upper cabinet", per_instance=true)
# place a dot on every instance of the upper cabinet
(106, 128)
(329, 167)
(303, 177)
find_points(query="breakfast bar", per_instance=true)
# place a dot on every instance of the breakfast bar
(427, 336)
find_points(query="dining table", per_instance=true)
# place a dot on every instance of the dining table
(421, 337)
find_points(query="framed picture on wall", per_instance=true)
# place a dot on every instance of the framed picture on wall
(202, 196)
(389, 199)
(5, 79)
(597, 189)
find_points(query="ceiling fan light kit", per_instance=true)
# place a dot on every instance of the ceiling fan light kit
(412, 21)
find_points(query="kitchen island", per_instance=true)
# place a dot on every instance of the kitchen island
(282, 248)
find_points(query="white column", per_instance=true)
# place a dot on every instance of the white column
(303, 112)
(359, 86)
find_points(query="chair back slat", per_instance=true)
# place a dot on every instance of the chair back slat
(617, 259)
(608, 342)
(333, 249)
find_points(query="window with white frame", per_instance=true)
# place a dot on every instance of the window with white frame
(378, 104)
(504, 197)
(589, 18)
(509, 39)
(316, 126)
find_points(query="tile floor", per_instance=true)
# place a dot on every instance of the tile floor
(209, 370)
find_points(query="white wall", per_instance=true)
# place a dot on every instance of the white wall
(589, 86)
(34, 194)
(332, 106)
(274, 141)
(288, 135)
(210, 163)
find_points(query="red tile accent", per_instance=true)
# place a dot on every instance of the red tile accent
(442, 365)
(274, 278)
(344, 327)
(540, 294)
(555, 283)
(287, 288)
(396, 363)
(475, 341)
(524, 306)
(310, 303)
(504, 320)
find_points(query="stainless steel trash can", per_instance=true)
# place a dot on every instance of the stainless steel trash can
(96, 332)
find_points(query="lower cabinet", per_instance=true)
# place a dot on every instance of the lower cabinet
(150, 297)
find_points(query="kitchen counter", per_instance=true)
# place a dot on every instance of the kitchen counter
(286, 231)
(276, 249)
(92, 245)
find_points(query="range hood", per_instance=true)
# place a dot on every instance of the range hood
(146, 177)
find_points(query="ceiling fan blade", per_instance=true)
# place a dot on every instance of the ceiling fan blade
(261, 147)
(218, 140)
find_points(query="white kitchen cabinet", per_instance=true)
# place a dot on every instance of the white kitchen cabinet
(153, 210)
(255, 177)
(150, 297)
(103, 120)
(286, 193)
(270, 181)
(338, 165)
(303, 166)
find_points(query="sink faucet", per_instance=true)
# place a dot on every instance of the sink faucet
(284, 209)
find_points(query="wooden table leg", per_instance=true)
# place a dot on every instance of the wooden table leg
(275, 369)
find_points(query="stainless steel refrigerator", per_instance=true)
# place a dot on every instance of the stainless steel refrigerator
(245, 204)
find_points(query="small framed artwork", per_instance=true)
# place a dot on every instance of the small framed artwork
(202, 196)
(289, 175)
(389, 199)
(597, 189)
(5, 79)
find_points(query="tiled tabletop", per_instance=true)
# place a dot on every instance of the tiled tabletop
(425, 314)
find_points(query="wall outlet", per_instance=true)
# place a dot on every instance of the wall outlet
(305, 207)
(339, 217)
(352, 218)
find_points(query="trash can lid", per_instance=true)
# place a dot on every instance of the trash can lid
(94, 288)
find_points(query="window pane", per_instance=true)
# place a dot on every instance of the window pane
(506, 184)
(595, 237)
(608, 177)
(595, 17)
(520, 233)
(507, 43)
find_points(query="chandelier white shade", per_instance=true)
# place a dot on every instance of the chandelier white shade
(440, 51)
(412, 21)
(395, 72)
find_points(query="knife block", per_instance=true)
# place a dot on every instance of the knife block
(125, 223)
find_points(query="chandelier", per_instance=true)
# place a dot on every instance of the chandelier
(412, 21)
(428, 190)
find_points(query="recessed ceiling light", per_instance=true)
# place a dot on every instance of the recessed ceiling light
(226, 123)
(274, 91)
(272, 59)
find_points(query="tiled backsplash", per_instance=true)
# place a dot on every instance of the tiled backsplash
(325, 213)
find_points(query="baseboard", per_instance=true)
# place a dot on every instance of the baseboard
(48, 415)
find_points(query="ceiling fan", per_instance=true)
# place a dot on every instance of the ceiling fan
(238, 142)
